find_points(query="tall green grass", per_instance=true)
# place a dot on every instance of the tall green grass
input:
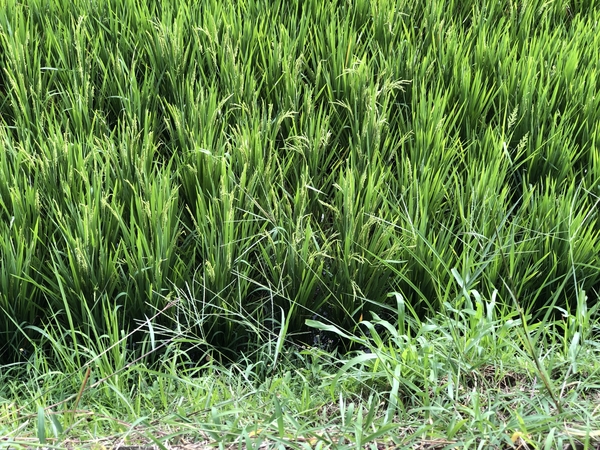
(287, 160)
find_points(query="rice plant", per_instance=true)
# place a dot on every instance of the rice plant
(322, 154)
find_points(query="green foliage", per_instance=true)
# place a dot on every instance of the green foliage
(267, 162)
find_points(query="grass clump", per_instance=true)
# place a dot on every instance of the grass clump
(218, 217)
(460, 379)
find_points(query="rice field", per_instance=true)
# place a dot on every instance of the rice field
(203, 179)
(300, 157)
